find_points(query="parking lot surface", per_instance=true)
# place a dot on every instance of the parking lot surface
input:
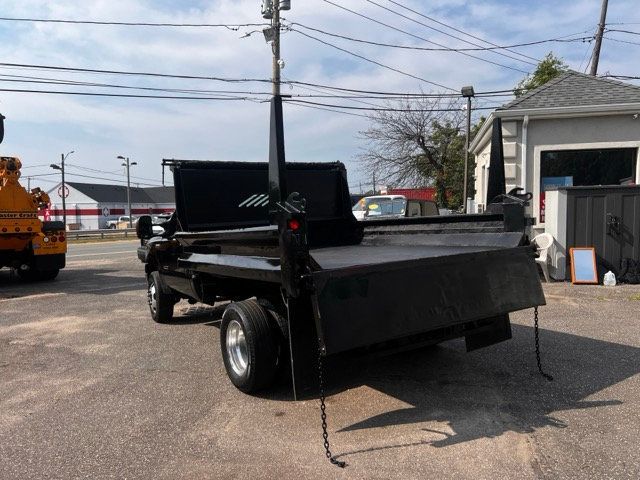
(92, 388)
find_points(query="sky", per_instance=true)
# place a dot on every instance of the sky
(41, 127)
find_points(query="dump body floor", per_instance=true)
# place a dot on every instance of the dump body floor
(397, 248)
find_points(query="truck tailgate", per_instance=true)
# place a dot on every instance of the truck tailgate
(368, 294)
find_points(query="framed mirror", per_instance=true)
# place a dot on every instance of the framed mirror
(583, 265)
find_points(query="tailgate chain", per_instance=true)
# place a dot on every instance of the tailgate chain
(323, 415)
(535, 330)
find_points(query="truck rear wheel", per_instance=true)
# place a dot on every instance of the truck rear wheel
(160, 303)
(249, 346)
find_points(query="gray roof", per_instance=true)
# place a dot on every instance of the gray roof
(572, 89)
(161, 194)
(102, 193)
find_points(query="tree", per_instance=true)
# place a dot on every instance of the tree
(418, 142)
(549, 68)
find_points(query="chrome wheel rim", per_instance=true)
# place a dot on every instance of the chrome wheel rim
(237, 348)
(153, 298)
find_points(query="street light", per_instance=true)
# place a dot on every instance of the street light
(468, 93)
(63, 187)
(128, 165)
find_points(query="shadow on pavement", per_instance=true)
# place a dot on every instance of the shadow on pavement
(95, 281)
(492, 391)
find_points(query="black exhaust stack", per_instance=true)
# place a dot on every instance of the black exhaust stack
(1, 127)
(496, 183)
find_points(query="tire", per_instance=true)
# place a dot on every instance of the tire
(249, 344)
(160, 303)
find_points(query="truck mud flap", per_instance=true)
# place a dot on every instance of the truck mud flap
(369, 304)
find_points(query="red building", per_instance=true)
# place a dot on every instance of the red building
(423, 193)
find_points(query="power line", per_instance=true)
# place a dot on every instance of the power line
(294, 103)
(459, 30)
(350, 107)
(121, 95)
(621, 77)
(57, 81)
(446, 49)
(71, 174)
(112, 173)
(622, 31)
(230, 26)
(231, 93)
(447, 34)
(146, 74)
(231, 80)
(419, 37)
(621, 41)
(375, 62)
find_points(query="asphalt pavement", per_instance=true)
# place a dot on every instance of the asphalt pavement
(92, 388)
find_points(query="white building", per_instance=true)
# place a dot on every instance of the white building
(575, 130)
(90, 206)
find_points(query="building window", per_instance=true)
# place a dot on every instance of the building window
(605, 166)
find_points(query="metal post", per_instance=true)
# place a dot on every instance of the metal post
(468, 93)
(129, 195)
(128, 165)
(275, 24)
(598, 44)
(64, 201)
(466, 156)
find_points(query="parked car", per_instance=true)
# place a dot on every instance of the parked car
(393, 206)
(121, 222)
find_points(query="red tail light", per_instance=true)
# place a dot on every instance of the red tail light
(53, 238)
(294, 224)
(61, 238)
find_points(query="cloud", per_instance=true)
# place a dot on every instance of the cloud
(40, 127)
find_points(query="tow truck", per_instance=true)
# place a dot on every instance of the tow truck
(34, 248)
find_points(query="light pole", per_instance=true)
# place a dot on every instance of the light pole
(128, 165)
(468, 93)
(60, 167)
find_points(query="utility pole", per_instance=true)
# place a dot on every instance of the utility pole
(598, 44)
(63, 188)
(271, 10)
(28, 184)
(275, 24)
(374, 183)
(468, 93)
(128, 165)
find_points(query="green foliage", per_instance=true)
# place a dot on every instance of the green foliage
(549, 68)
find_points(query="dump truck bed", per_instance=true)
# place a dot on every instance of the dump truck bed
(338, 284)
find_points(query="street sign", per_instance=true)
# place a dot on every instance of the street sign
(62, 194)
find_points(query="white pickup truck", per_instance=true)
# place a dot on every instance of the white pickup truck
(393, 206)
(121, 222)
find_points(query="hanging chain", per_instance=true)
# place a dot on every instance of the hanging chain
(323, 415)
(536, 333)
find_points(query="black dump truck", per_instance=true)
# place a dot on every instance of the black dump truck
(305, 280)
